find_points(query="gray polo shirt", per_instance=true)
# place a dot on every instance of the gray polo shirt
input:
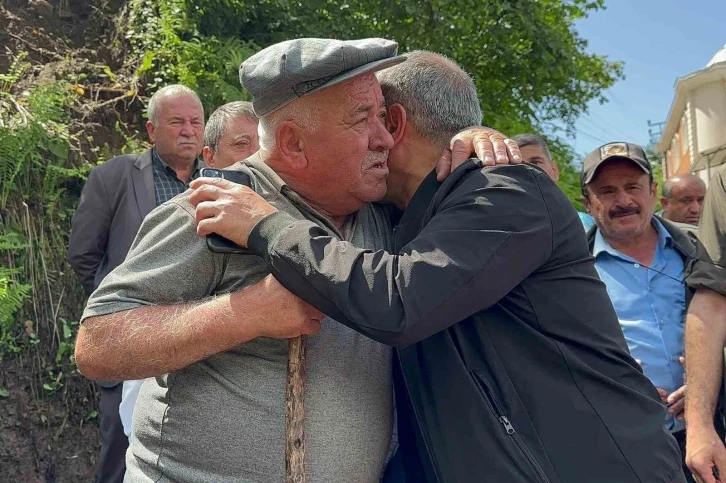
(223, 419)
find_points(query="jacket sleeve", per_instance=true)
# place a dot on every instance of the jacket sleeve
(89, 230)
(708, 269)
(485, 238)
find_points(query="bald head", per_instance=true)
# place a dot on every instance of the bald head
(683, 198)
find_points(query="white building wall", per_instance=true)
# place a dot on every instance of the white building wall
(709, 102)
(702, 173)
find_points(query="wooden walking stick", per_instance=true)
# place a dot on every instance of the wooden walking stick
(295, 411)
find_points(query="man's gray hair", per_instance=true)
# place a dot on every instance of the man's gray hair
(301, 111)
(167, 92)
(529, 139)
(439, 96)
(219, 121)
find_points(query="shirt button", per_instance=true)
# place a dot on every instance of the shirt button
(636, 265)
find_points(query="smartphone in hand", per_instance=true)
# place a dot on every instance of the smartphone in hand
(217, 243)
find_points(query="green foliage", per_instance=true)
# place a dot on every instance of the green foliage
(12, 297)
(66, 344)
(656, 162)
(15, 72)
(530, 66)
(12, 241)
(35, 145)
(528, 62)
(164, 36)
(38, 166)
(569, 182)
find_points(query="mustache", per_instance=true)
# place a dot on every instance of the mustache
(620, 211)
(187, 140)
(375, 157)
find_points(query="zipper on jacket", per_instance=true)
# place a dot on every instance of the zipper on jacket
(507, 425)
(497, 410)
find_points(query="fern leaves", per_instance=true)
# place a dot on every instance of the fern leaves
(12, 298)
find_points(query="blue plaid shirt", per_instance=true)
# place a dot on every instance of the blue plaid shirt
(166, 183)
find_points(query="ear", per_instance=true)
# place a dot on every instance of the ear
(396, 122)
(151, 130)
(556, 169)
(291, 143)
(586, 201)
(654, 189)
(208, 155)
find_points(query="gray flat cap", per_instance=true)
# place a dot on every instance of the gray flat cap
(283, 72)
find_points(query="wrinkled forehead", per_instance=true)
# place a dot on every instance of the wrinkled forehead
(239, 127)
(363, 90)
(241, 123)
(363, 84)
(618, 171)
(534, 151)
(689, 186)
(180, 103)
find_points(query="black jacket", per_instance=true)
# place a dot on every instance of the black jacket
(511, 364)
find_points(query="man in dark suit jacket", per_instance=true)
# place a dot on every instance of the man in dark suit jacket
(115, 200)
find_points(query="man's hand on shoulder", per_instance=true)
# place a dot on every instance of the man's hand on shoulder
(490, 146)
(228, 209)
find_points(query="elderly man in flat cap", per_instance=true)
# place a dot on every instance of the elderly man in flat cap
(497, 378)
(211, 328)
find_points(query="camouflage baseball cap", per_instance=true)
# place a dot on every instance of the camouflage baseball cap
(629, 151)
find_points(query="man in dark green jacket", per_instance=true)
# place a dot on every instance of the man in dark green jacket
(643, 261)
(498, 377)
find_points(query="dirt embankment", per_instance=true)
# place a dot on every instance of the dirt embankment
(51, 435)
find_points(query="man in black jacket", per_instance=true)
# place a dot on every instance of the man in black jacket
(499, 377)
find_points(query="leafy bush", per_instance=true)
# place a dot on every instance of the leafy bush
(166, 39)
(529, 64)
(37, 165)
